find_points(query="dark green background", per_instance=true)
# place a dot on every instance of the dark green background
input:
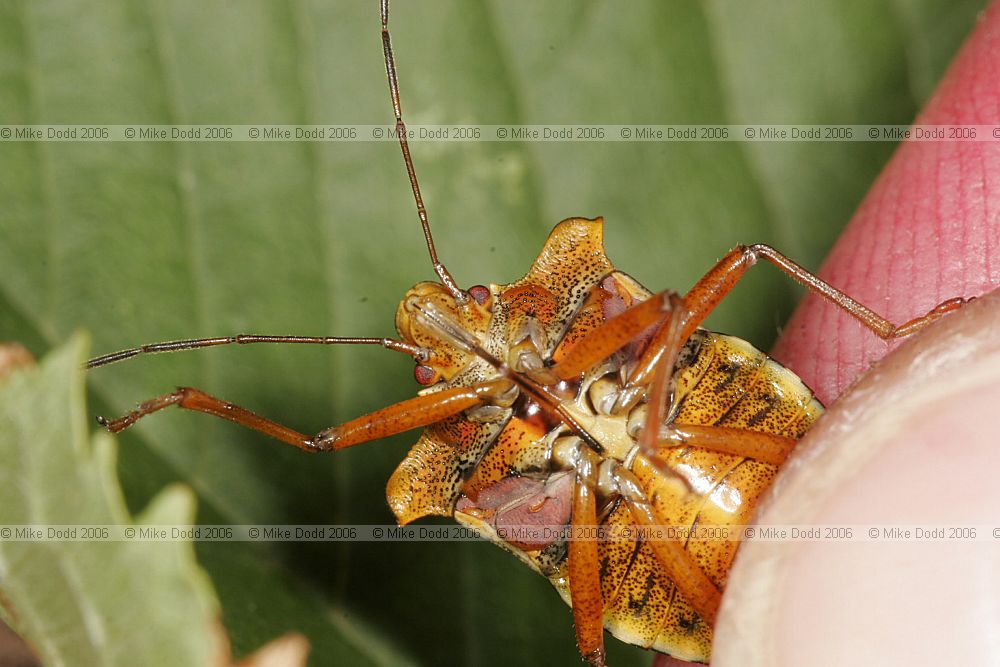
(148, 241)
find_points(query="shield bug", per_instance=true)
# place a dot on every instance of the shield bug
(574, 394)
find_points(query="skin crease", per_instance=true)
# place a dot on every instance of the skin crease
(910, 442)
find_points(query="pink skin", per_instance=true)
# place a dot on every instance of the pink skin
(927, 231)
(914, 441)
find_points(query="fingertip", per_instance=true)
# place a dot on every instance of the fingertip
(916, 442)
(926, 231)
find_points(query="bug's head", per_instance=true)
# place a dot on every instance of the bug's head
(429, 316)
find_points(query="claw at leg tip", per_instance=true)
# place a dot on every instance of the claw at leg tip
(596, 658)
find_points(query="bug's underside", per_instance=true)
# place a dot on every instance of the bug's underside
(574, 397)
(492, 467)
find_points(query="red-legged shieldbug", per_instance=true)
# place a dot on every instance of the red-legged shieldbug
(574, 397)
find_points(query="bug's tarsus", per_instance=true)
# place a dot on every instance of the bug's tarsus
(390, 70)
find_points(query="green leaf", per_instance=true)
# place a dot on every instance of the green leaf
(89, 602)
(150, 241)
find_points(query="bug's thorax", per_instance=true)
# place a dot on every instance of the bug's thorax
(506, 331)
(517, 331)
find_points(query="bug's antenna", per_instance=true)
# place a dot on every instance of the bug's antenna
(390, 71)
(418, 353)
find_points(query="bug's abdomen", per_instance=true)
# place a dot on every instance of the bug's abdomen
(727, 383)
(731, 383)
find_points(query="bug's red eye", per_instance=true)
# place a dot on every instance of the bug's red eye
(480, 293)
(425, 375)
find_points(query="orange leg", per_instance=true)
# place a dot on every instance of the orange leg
(413, 413)
(665, 344)
(720, 280)
(703, 298)
(584, 572)
(585, 576)
(614, 334)
(195, 399)
(403, 416)
(764, 447)
(660, 357)
(691, 581)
